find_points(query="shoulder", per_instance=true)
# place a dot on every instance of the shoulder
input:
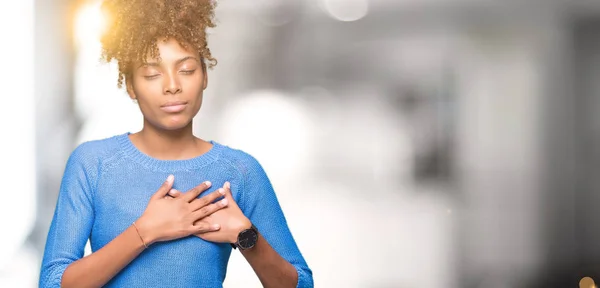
(254, 184)
(245, 163)
(93, 152)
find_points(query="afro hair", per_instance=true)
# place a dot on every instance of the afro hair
(134, 27)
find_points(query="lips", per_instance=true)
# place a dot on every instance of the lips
(174, 106)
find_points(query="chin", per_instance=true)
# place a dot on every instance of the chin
(173, 123)
(176, 125)
(173, 127)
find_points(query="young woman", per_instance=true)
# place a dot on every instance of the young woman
(161, 207)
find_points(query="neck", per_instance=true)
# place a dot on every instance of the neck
(169, 144)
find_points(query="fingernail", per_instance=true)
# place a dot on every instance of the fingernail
(227, 185)
(170, 178)
(207, 183)
(224, 202)
(222, 191)
(216, 227)
(173, 191)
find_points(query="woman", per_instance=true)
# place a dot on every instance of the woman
(182, 234)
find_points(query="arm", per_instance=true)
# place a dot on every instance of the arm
(275, 258)
(72, 221)
(97, 269)
(63, 265)
(164, 219)
(272, 269)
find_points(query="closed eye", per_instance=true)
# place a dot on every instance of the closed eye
(188, 72)
(150, 77)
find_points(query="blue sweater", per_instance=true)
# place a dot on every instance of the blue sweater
(106, 186)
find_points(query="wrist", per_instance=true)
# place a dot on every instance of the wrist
(247, 238)
(244, 225)
(145, 231)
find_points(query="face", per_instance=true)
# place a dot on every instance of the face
(169, 91)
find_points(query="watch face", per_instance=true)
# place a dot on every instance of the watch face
(247, 239)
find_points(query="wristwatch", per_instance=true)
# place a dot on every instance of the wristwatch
(246, 239)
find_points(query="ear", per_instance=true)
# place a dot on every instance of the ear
(129, 87)
(205, 75)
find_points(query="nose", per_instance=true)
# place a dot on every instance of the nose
(172, 85)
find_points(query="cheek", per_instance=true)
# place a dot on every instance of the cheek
(194, 90)
(148, 91)
(197, 104)
(148, 99)
(194, 84)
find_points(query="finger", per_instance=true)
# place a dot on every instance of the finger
(164, 188)
(206, 201)
(204, 227)
(174, 193)
(229, 195)
(208, 210)
(227, 188)
(196, 191)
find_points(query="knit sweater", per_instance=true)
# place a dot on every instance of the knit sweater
(107, 185)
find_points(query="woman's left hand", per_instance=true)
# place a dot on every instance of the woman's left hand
(231, 220)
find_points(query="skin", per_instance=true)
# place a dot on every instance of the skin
(165, 218)
(180, 76)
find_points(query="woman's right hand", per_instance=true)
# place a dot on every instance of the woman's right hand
(167, 218)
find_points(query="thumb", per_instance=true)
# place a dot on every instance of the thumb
(164, 188)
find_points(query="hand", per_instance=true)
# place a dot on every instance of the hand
(172, 218)
(231, 219)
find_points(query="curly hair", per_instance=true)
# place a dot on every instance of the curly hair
(134, 27)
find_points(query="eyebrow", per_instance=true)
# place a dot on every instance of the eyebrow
(185, 59)
(156, 64)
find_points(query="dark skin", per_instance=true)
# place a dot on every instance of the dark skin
(272, 270)
(169, 93)
(165, 218)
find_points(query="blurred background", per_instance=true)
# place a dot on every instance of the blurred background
(412, 143)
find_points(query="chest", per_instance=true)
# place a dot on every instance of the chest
(120, 199)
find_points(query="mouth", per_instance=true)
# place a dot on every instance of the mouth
(174, 107)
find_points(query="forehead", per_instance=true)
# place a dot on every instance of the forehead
(170, 50)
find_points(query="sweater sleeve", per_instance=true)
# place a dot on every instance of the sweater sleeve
(73, 218)
(260, 204)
